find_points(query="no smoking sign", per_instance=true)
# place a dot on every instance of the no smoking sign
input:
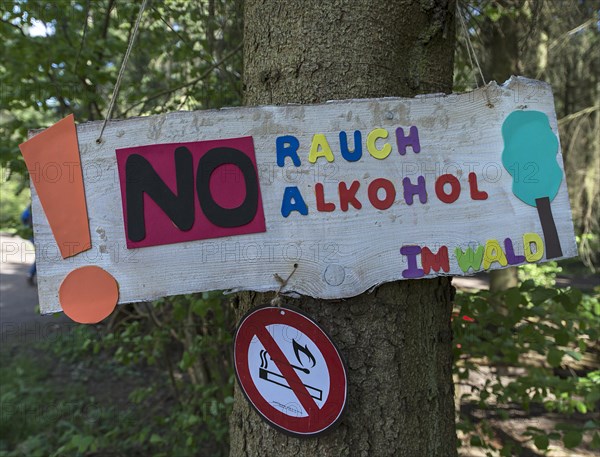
(290, 371)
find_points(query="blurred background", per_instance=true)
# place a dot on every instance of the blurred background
(156, 378)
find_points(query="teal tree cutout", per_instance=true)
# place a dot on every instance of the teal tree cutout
(530, 148)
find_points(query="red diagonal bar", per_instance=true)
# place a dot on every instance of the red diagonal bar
(287, 371)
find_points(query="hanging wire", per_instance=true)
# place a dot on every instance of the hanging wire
(471, 52)
(113, 98)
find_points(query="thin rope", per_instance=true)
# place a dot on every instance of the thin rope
(85, 28)
(277, 300)
(472, 66)
(470, 45)
(113, 98)
(471, 50)
(458, 13)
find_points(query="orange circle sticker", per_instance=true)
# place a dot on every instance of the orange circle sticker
(88, 294)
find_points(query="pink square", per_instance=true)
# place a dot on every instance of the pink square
(226, 197)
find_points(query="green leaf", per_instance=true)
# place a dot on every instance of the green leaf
(562, 337)
(213, 408)
(541, 442)
(155, 439)
(575, 295)
(572, 439)
(593, 396)
(513, 297)
(527, 285)
(82, 442)
(541, 294)
(476, 441)
(567, 303)
(200, 307)
(192, 419)
(581, 407)
(595, 444)
(554, 357)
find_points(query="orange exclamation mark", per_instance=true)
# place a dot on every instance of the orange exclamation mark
(87, 294)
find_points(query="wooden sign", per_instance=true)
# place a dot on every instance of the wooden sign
(355, 193)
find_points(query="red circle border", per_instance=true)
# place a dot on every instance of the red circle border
(331, 412)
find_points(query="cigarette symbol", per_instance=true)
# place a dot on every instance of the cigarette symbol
(276, 378)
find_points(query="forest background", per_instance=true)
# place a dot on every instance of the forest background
(524, 350)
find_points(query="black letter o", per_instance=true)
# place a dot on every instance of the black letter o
(227, 217)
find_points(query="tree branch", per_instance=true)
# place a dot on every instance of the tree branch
(191, 83)
(583, 112)
(14, 26)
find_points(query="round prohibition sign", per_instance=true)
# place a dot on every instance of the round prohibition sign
(290, 371)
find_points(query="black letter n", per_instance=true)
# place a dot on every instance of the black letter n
(142, 178)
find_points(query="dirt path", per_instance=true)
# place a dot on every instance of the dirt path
(20, 320)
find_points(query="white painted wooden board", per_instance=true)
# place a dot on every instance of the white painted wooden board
(339, 254)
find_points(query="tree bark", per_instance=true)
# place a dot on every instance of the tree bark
(397, 339)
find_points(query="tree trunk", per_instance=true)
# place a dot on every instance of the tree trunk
(397, 339)
(504, 279)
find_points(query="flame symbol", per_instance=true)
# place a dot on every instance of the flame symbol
(305, 351)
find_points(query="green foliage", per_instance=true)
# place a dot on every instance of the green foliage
(187, 338)
(188, 56)
(62, 57)
(14, 198)
(543, 274)
(534, 348)
(174, 357)
(53, 419)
